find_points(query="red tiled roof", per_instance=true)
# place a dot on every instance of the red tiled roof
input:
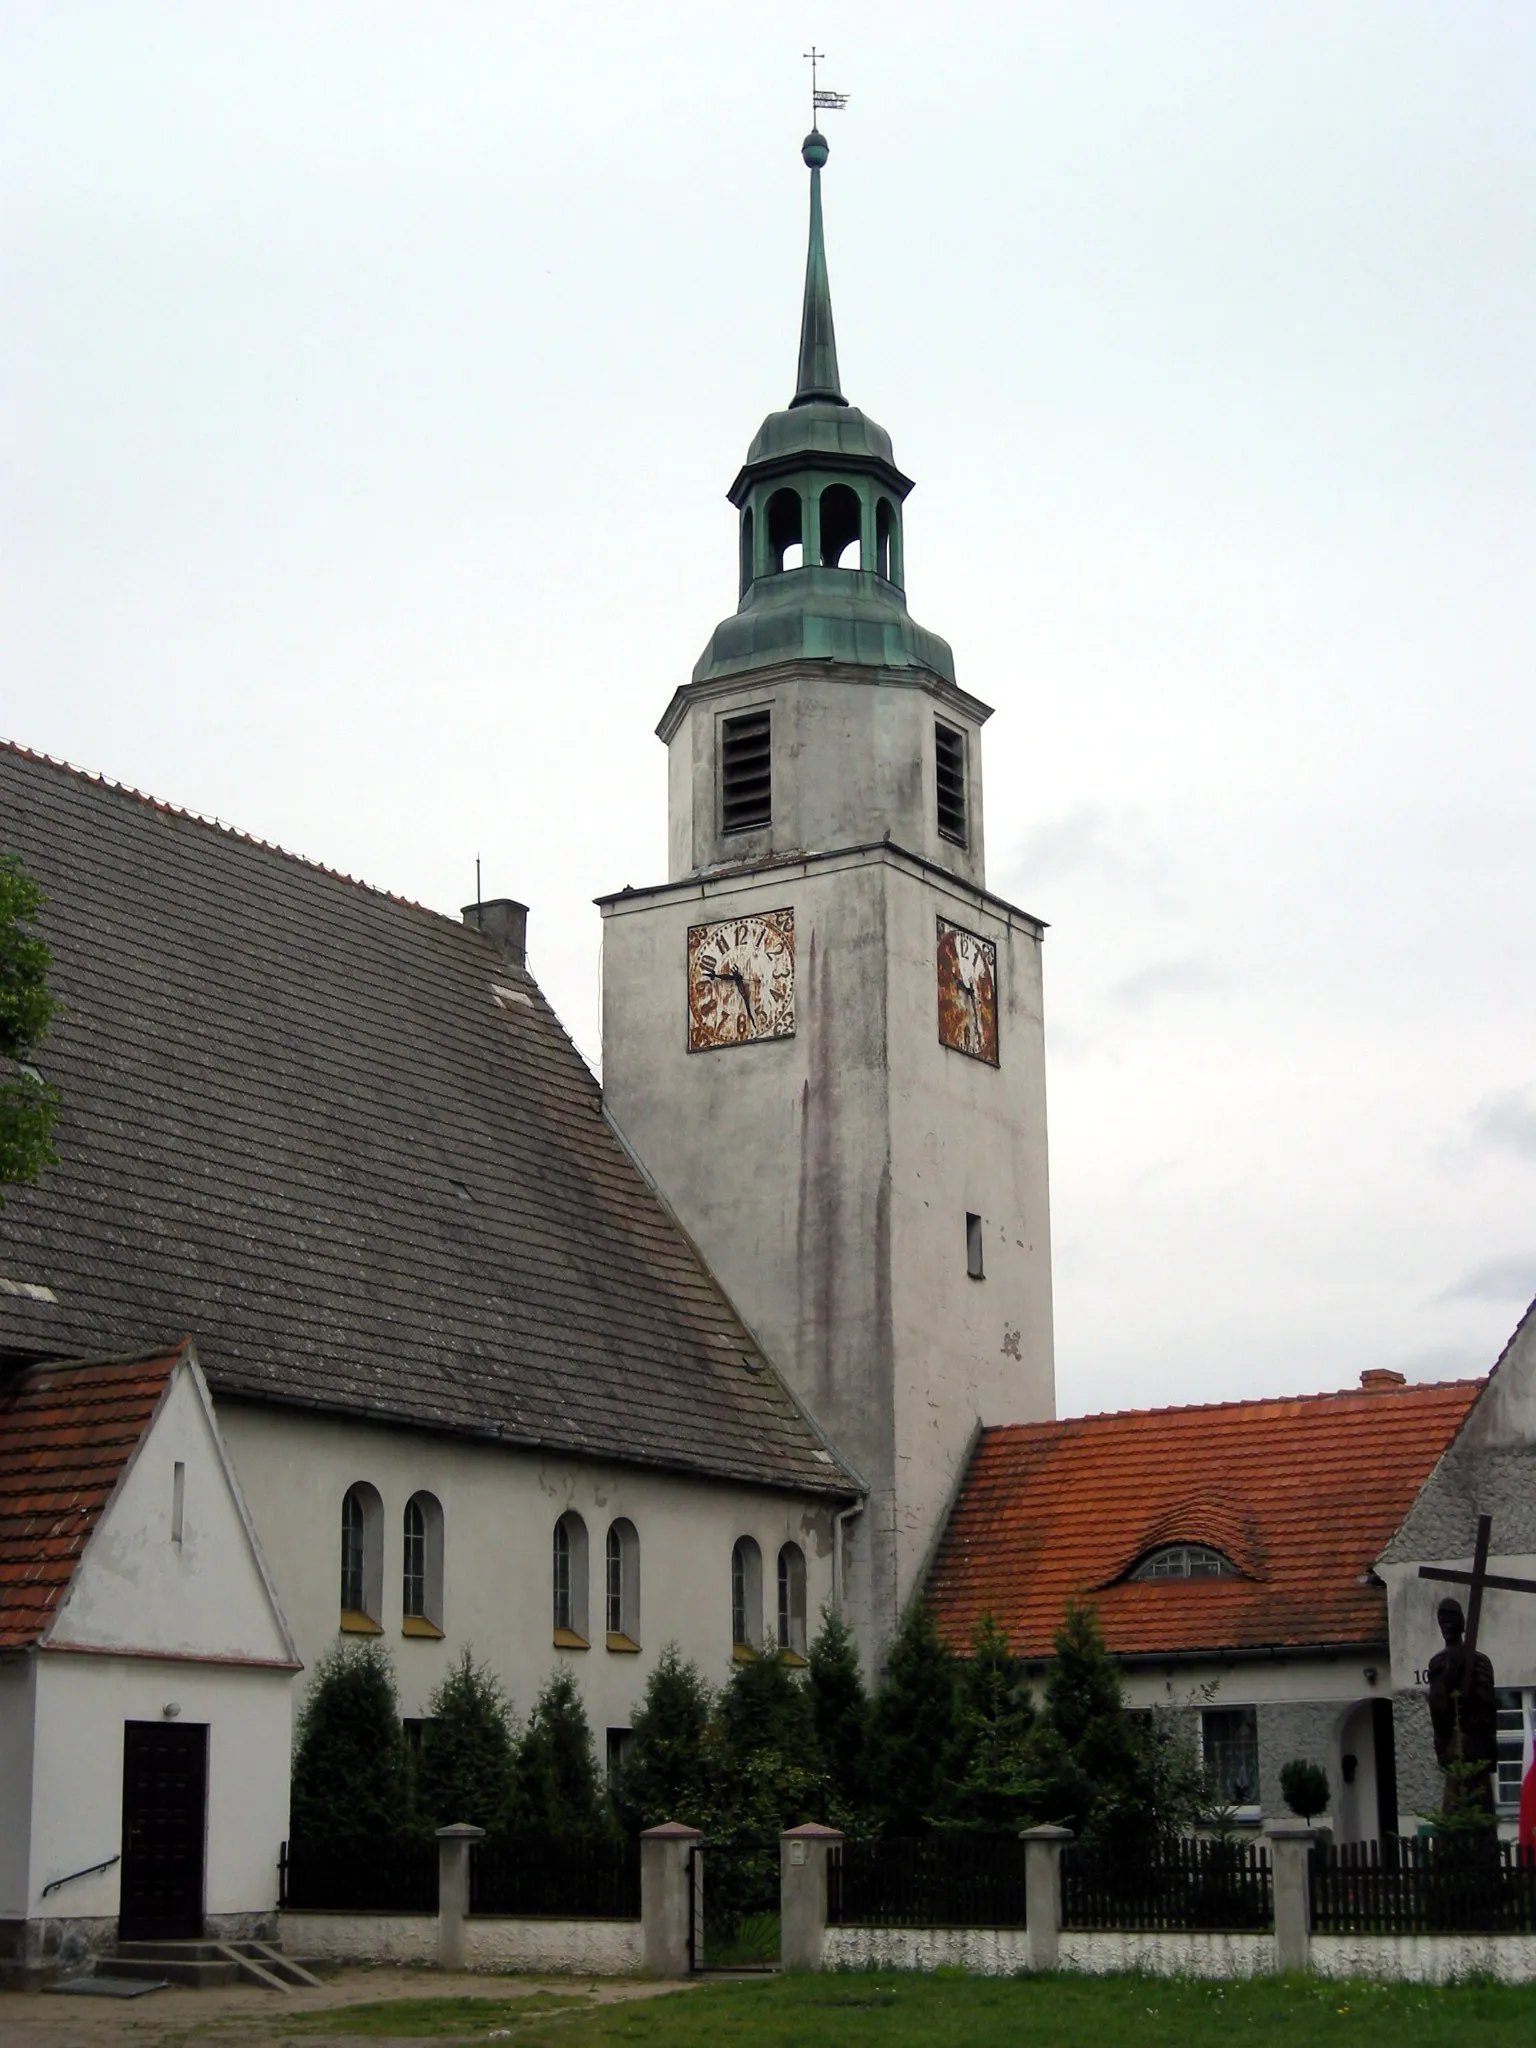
(1302, 1494)
(66, 1432)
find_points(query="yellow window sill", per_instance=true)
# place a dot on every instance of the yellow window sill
(743, 1653)
(354, 1624)
(567, 1639)
(625, 1644)
(418, 1625)
(794, 1659)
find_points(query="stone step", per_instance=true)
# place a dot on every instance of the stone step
(210, 1962)
(199, 1974)
(195, 1951)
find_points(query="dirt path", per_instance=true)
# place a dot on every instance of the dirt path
(245, 2016)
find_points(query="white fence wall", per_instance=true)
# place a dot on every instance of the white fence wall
(587, 1948)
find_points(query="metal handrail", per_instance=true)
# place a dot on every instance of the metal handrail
(90, 1870)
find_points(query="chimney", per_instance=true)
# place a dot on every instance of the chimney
(505, 924)
(1377, 1378)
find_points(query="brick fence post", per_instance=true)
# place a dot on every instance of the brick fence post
(665, 1904)
(803, 1856)
(453, 1891)
(1042, 1893)
(1290, 1843)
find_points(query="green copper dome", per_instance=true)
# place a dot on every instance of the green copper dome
(820, 499)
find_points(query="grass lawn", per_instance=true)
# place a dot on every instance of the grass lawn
(955, 2011)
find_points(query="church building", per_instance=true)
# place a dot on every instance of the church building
(356, 1309)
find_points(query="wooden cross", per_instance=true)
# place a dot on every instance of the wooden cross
(1478, 1579)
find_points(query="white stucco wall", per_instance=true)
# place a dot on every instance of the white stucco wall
(499, 1510)
(596, 1948)
(359, 1937)
(77, 1783)
(988, 1951)
(1255, 1681)
(852, 760)
(585, 1948)
(1426, 1958)
(137, 1587)
(1004, 1951)
(827, 1176)
(1105, 1952)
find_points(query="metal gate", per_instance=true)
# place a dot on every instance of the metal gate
(733, 1906)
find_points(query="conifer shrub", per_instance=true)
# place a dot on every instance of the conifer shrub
(840, 1711)
(765, 1762)
(997, 1788)
(558, 1790)
(913, 1734)
(465, 1769)
(349, 1768)
(666, 1773)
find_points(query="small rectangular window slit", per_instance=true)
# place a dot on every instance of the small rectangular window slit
(178, 1499)
(949, 781)
(973, 1245)
(746, 772)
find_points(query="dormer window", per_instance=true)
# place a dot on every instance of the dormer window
(746, 772)
(1186, 1561)
(949, 780)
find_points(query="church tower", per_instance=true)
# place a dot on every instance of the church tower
(823, 1036)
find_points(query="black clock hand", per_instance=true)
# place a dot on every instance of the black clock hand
(739, 978)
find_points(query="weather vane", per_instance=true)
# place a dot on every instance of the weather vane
(832, 102)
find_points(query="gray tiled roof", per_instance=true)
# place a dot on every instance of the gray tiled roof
(276, 1083)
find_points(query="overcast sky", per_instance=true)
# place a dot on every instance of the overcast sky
(373, 375)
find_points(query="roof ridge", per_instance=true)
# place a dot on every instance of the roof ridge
(216, 824)
(1251, 1401)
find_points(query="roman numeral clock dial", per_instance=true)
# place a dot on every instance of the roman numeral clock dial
(741, 980)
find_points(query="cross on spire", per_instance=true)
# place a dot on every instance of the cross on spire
(821, 99)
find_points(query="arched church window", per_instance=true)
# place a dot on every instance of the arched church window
(747, 570)
(842, 518)
(362, 1558)
(792, 1601)
(1186, 1561)
(622, 1569)
(421, 1588)
(784, 532)
(570, 1582)
(746, 1597)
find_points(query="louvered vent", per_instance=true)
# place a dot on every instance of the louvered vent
(949, 761)
(746, 772)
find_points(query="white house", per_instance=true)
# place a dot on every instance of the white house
(1230, 1553)
(145, 1666)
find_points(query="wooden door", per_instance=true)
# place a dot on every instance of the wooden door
(165, 1808)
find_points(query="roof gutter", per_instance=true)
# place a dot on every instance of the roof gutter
(1227, 1653)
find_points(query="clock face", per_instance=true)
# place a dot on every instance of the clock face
(741, 980)
(967, 992)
